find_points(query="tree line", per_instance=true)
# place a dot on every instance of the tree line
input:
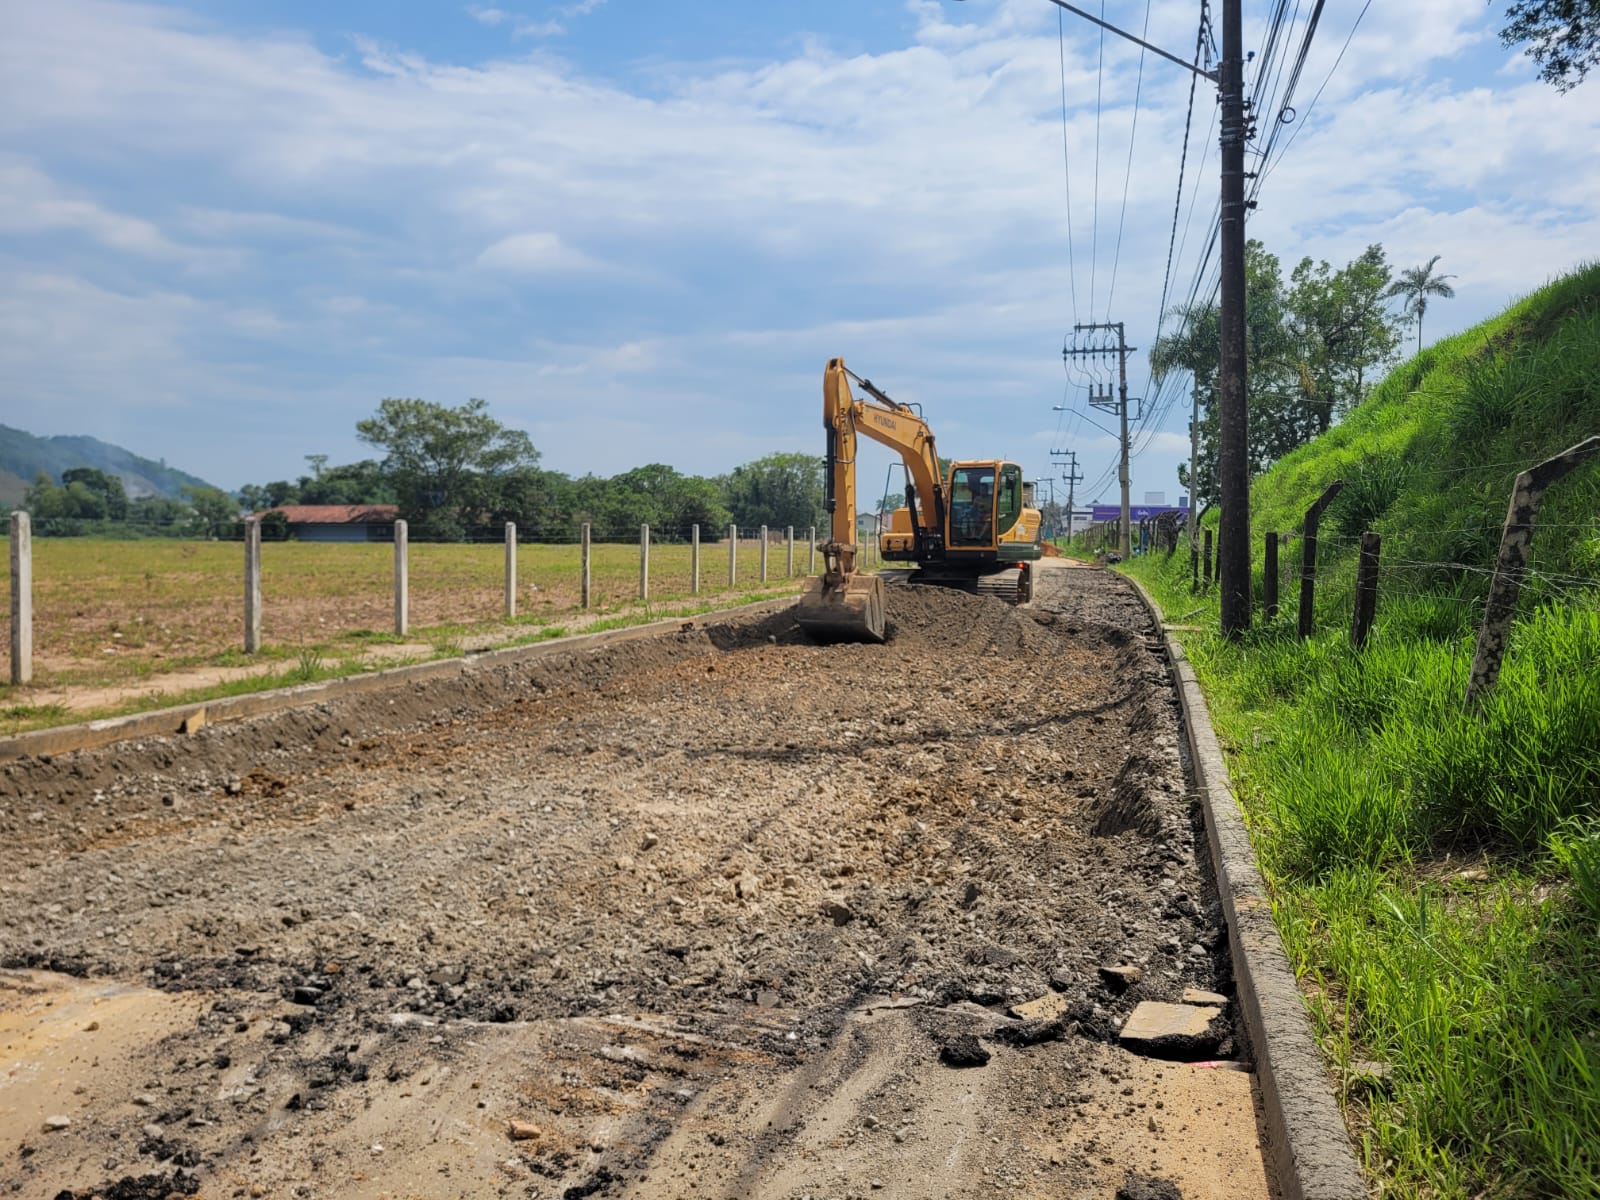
(454, 473)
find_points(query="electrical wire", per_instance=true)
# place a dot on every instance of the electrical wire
(1094, 237)
(1306, 116)
(1183, 158)
(1127, 179)
(1066, 161)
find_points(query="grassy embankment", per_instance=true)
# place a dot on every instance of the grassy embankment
(1436, 874)
(148, 615)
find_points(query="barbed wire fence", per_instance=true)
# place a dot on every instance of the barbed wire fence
(494, 575)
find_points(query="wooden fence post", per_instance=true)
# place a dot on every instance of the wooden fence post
(252, 585)
(1515, 538)
(789, 540)
(644, 562)
(1269, 576)
(1366, 589)
(811, 559)
(511, 570)
(694, 560)
(1206, 555)
(21, 598)
(763, 554)
(402, 580)
(1308, 558)
(733, 555)
(584, 547)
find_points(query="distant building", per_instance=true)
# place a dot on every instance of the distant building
(338, 522)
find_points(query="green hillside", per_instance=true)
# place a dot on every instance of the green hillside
(23, 456)
(1430, 459)
(1436, 871)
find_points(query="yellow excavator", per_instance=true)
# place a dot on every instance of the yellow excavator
(972, 528)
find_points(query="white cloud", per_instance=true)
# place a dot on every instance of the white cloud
(390, 224)
(535, 253)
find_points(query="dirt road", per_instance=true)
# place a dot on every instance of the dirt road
(718, 914)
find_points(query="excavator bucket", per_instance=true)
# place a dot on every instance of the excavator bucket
(851, 612)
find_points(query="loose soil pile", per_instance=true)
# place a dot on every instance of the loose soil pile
(673, 906)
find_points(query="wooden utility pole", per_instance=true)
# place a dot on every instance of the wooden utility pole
(1233, 458)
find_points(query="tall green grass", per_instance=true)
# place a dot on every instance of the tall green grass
(1436, 873)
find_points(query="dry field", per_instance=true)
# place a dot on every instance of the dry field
(114, 617)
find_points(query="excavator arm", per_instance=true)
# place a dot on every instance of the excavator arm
(891, 424)
(842, 603)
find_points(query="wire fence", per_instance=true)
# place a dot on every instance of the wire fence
(115, 613)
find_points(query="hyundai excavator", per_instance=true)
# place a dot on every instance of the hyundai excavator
(971, 528)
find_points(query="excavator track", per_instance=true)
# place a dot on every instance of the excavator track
(1011, 585)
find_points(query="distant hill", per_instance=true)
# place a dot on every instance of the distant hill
(23, 456)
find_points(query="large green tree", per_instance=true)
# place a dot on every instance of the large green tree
(668, 501)
(1310, 349)
(442, 461)
(777, 491)
(1563, 37)
(1340, 332)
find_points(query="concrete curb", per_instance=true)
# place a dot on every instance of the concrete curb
(165, 722)
(1307, 1147)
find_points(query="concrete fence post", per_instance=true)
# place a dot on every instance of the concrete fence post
(402, 579)
(763, 554)
(1269, 576)
(811, 554)
(644, 562)
(252, 585)
(1308, 558)
(733, 555)
(583, 564)
(511, 570)
(789, 539)
(694, 560)
(1366, 589)
(1515, 538)
(21, 598)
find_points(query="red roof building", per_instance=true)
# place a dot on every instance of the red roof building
(338, 522)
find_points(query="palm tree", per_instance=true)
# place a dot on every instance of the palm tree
(1416, 284)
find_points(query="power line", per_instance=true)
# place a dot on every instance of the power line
(1066, 162)
(1183, 158)
(1127, 179)
(1094, 236)
(1305, 118)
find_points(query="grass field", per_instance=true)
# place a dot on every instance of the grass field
(108, 613)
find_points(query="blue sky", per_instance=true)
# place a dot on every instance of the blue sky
(639, 230)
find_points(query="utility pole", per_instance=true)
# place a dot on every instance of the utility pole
(1233, 462)
(1071, 477)
(1102, 399)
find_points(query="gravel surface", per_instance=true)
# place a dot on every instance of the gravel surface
(575, 927)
